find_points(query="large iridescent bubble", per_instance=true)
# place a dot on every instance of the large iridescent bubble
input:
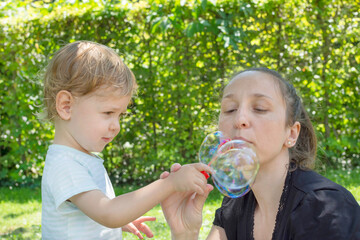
(234, 163)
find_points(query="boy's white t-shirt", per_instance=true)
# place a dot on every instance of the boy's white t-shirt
(68, 172)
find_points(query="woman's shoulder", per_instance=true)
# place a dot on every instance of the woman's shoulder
(322, 209)
(234, 207)
(319, 188)
(309, 180)
(236, 215)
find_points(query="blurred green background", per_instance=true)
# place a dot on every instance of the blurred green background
(182, 54)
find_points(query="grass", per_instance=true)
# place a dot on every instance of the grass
(162, 231)
(20, 209)
(20, 213)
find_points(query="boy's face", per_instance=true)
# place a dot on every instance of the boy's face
(94, 120)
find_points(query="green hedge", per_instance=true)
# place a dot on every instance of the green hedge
(181, 53)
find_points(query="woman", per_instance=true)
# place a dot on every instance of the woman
(287, 199)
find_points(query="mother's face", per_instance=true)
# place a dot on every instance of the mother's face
(253, 109)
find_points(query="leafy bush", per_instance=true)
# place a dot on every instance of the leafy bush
(181, 53)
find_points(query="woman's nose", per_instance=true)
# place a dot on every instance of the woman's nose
(241, 119)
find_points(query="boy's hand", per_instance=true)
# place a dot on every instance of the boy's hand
(189, 178)
(183, 210)
(138, 226)
(174, 168)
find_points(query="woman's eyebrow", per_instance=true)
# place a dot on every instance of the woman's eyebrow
(260, 95)
(255, 95)
(230, 95)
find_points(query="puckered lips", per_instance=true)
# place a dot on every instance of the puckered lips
(243, 139)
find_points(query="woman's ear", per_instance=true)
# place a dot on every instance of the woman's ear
(64, 101)
(293, 134)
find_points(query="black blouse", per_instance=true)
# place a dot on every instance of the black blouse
(311, 207)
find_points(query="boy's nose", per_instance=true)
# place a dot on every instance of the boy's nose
(115, 125)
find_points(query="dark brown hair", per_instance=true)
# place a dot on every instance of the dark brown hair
(303, 154)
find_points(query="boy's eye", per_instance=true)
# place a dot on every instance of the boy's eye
(123, 115)
(108, 113)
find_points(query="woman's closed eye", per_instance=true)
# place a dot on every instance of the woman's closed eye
(260, 109)
(231, 110)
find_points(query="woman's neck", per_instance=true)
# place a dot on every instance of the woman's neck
(269, 184)
(268, 188)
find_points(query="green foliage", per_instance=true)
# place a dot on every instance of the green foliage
(181, 53)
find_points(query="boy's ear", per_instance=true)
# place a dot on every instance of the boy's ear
(64, 101)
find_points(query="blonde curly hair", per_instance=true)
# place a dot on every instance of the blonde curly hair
(82, 67)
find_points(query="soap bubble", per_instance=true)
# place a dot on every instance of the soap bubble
(234, 163)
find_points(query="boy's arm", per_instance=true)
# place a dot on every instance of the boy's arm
(125, 208)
